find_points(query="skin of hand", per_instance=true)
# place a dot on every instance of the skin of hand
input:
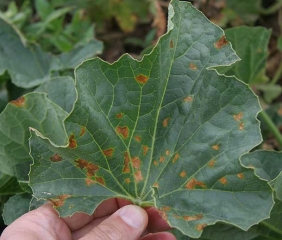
(114, 219)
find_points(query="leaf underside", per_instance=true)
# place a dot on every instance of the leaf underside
(164, 132)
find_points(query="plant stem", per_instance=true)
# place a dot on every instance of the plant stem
(275, 7)
(272, 127)
(277, 75)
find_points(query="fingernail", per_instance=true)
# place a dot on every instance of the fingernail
(131, 215)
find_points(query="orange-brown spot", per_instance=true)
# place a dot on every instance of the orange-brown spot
(18, 102)
(176, 216)
(126, 168)
(60, 200)
(166, 208)
(156, 185)
(91, 168)
(171, 44)
(142, 78)
(211, 163)
(89, 181)
(241, 126)
(156, 163)
(138, 176)
(56, 158)
(145, 149)
(163, 214)
(108, 152)
(119, 115)
(223, 180)
(82, 131)
(138, 138)
(188, 99)
(240, 175)
(127, 181)
(100, 180)
(193, 183)
(72, 142)
(122, 131)
(182, 174)
(216, 147)
(192, 66)
(167, 152)
(136, 162)
(238, 116)
(200, 227)
(175, 158)
(221, 42)
(193, 218)
(165, 122)
(162, 159)
(280, 111)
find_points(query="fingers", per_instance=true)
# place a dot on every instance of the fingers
(128, 223)
(159, 236)
(156, 222)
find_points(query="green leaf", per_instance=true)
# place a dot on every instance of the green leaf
(29, 66)
(251, 45)
(32, 110)
(61, 91)
(9, 185)
(43, 8)
(15, 207)
(164, 132)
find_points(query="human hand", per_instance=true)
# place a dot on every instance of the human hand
(114, 219)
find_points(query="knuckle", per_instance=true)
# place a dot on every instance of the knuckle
(106, 232)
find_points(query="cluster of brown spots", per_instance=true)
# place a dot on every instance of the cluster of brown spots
(142, 78)
(223, 180)
(171, 44)
(156, 163)
(156, 185)
(240, 175)
(126, 168)
(193, 218)
(136, 162)
(175, 158)
(216, 147)
(200, 227)
(162, 214)
(108, 152)
(241, 126)
(138, 138)
(82, 131)
(72, 142)
(238, 116)
(60, 200)
(138, 176)
(211, 163)
(145, 149)
(192, 66)
(56, 158)
(119, 115)
(165, 122)
(127, 180)
(18, 102)
(123, 131)
(162, 159)
(182, 174)
(167, 152)
(188, 99)
(221, 42)
(91, 168)
(194, 183)
(89, 181)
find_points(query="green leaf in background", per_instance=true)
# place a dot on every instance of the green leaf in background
(163, 132)
(9, 185)
(32, 110)
(29, 66)
(251, 45)
(16, 207)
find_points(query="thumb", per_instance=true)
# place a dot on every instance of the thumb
(128, 223)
